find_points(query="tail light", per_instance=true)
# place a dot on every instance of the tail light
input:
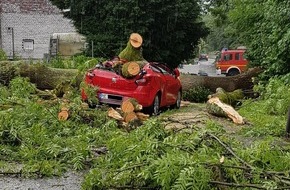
(90, 75)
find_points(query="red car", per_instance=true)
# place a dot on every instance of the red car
(154, 87)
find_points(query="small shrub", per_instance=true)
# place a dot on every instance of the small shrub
(79, 62)
(3, 56)
(198, 94)
(276, 95)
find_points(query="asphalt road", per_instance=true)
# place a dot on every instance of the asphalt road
(202, 67)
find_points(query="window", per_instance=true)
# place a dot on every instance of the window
(27, 44)
(228, 57)
(237, 56)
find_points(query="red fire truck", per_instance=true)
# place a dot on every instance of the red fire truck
(231, 62)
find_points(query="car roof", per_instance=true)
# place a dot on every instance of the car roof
(234, 50)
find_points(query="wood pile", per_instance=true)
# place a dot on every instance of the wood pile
(129, 115)
(130, 60)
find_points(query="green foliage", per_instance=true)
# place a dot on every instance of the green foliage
(21, 87)
(268, 114)
(198, 94)
(170, 29)
(79, 62)
(90, 92)
(276, 95)
(147, 157)
(261, 26)
(3, 56)
(32, 135)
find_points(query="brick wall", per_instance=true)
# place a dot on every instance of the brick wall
(30, 19)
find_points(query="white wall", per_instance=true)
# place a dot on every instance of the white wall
(38, 27)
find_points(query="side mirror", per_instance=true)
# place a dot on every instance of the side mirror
(141, 74)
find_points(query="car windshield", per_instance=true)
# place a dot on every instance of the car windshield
(161, 68)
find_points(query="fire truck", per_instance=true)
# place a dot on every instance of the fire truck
(231, 62)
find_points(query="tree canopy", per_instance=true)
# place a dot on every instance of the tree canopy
(170, 28)
(262, 26)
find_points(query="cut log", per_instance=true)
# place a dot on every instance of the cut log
(132, 51)
(63, 114)
(218, 108)
(130, 116)
(130, 69)
(114, 114)
(130, 105)
(127, 106)
(136, 40)
(142, 116)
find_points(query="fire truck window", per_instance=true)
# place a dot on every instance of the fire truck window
(237, 56)
(228, 57)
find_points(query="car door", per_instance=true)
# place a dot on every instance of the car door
(170, 89)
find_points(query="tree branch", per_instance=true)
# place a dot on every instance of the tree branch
(230, 150)
(237, 185)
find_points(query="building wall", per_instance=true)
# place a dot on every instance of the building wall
(33, 20)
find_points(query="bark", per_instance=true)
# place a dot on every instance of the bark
(142, 116)
(131, 53)
(41, 75)
(229, 84)
(114, 114)
(230, 98)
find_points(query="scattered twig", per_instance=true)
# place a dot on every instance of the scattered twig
(229, 150)
(228, 166)
(129, 187)
(237, 185)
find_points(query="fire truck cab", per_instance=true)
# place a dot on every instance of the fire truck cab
(231, 62)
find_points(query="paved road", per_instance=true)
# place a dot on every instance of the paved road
(201, 67)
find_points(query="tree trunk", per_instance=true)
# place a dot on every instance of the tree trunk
(48, 78)
(218, 108)
(229, 84)
(44, 77)
(133, 51)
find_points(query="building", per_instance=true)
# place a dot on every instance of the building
(26, 27)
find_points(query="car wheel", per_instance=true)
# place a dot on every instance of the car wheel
(155, 107)
(233, 72)
(178, 101)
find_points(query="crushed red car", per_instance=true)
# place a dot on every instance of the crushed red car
(155, 86)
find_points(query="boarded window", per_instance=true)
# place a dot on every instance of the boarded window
(27, 44)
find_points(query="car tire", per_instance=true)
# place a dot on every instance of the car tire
(233, 72)
(178, 101)
(154, 109)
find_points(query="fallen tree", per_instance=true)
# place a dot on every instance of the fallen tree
(48, 78)
(41, 75)
(229, 84)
